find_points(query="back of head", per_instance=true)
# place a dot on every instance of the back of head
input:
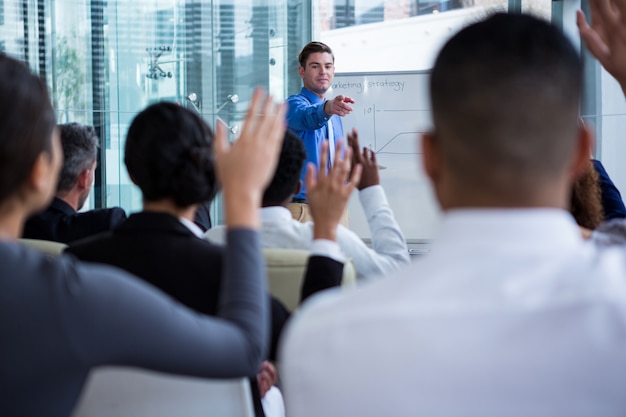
(169, 155)
(505, 94)
(288, 170)
(27, 121)
(311, 48)
(80, 149)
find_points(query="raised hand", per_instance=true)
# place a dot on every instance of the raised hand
(245, 168)
(366, 158)
(328, 193)
(340, 106)
(606, 37)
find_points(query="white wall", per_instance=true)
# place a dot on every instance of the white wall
(399, 45)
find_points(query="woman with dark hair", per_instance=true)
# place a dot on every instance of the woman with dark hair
(59, 318)
(169, 156)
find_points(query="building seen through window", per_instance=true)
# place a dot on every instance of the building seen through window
(105, 60)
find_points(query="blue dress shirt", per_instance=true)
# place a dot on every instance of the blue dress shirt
(306, 117)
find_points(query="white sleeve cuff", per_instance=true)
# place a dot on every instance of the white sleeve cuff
(372, 197)
(328, 248)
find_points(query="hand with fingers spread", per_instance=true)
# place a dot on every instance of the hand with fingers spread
(367, 159)
(329, 192)
(340, 106)
(606, 36)
(245, 168)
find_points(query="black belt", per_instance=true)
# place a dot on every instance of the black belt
(298, 200)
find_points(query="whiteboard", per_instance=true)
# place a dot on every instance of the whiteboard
(391, 111)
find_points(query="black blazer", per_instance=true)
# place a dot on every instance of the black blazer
(158, 248)
(61, 223)
(161, 250)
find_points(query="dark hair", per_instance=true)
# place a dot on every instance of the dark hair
(586, 199)
(169, 154)
(311, 48)
(27, 121)
(288, 170)
(505, 96)
(80, 149)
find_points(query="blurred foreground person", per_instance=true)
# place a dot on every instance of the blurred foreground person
(512, 313)
(59, 318)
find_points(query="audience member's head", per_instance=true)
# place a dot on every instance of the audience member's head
(286, 180)
(80, 149)
(30, 152)
(169, 155)
(586, 199)
(505, 96)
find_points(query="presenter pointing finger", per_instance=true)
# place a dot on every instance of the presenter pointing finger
(340, 106)
(314, 118)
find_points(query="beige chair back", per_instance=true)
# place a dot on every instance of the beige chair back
(46, 246)
(285, 272)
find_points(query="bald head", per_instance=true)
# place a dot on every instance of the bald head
(505, 94)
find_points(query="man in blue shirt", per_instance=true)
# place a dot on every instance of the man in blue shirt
(312, 117)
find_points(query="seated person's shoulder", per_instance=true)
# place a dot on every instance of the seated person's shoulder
(41, 225)
(99, 220)
(88, 247)
(93, 222)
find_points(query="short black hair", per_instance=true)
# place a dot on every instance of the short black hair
(288, 170)
(169, 155)
(80, 149)
(312, 48)
(27, 121)
(505, 96)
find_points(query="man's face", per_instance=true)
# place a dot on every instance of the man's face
(318, 72)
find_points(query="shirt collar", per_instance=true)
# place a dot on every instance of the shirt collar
(192, 227)
(275, 214)
(539, 227)
(313, 98)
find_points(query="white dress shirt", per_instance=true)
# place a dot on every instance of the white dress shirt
(193, 228)
(511, 314)
(388, 253)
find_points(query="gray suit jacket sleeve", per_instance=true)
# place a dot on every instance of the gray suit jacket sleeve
(112, 318)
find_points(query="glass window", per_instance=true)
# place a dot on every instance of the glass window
(104, 61)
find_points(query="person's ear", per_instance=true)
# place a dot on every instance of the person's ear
(301, 72)
(42, 182)
(582, 152)
(298, 188)
(84, 179)
(431, 156)
(40, 174)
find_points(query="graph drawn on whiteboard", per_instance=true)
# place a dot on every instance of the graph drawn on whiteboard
(391, 111)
